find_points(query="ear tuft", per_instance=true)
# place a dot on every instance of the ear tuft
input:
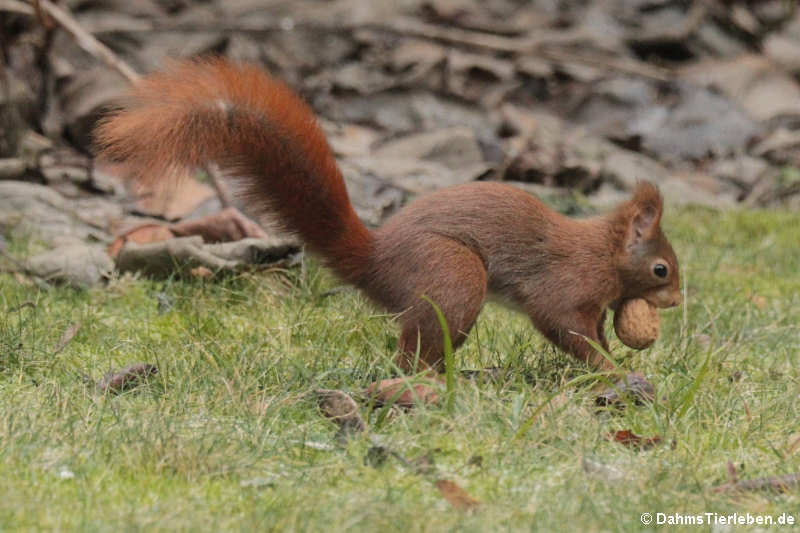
(647, 206)
(647, 197)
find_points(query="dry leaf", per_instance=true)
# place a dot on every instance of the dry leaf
(634, 384)
(454, 494)
(175, 202)
(629, 438)
(146, 233)
(340, 408)
(67, 336)
(401, 392)
(127, 378)
(201, 272)
(230, 224)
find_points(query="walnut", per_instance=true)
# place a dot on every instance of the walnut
(636, 323)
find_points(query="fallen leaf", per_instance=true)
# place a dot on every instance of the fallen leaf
(634, 384)
(201, 272)
(341, 409)
(175, 202)
(146, 233)
(401, 392)
(127, 378)
(629, 438)
(67, 336)
(454, 494)
(230, 224)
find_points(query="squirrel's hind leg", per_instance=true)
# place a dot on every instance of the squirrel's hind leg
(455, 279)
(458, 288)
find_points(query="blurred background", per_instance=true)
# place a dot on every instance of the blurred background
(573, 101)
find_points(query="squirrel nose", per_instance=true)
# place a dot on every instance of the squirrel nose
(676, 300)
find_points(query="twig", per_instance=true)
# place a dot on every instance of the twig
(44, 20)
(15, 6)
(625, 66)
(88, 42)
(218, 183)
(496, 43)
(47, 87)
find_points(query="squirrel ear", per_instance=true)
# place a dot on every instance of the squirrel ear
(646, 206)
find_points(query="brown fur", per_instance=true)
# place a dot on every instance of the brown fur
(454, 245)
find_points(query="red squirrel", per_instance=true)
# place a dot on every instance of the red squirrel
(455, 245)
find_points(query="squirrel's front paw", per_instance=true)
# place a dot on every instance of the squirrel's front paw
(633, 384)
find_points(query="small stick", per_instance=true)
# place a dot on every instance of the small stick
(97, 49)
(86, 41)
(44, 20)
(215, 176)
(16, 6)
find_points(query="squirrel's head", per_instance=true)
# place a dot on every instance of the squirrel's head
(648, 266)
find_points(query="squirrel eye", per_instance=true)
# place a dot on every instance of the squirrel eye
(660, 270)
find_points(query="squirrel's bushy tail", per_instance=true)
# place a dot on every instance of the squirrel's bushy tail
(196, 112)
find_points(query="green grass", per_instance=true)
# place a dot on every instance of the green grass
(227, 435)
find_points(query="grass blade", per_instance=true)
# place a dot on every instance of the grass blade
(689, 396)
(449, 358)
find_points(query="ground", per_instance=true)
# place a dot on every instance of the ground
(228, 435)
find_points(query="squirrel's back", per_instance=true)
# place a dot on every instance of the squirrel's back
(525, 245)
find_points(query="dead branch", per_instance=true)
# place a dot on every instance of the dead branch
(87, 41)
